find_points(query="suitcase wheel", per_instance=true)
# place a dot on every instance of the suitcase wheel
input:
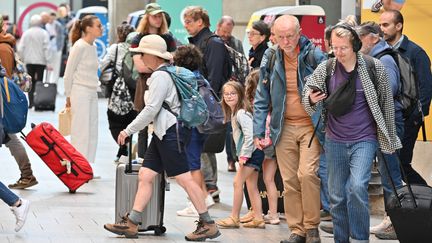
(159, 230)
(72, 191)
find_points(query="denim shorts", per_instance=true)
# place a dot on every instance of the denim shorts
(194, 149)
(256, 160)
(269, 152)
(168, 154)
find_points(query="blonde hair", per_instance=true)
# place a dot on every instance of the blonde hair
(242, 103)
(144, 25)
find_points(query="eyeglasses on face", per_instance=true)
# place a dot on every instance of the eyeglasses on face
(228, 94)
(252, 33)
(341, 48)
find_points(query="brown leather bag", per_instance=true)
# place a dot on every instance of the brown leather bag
(141, 87)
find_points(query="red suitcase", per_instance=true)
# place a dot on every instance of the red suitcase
(61, 157)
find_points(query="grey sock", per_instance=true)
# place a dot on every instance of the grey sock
(135, 217)
(206, 217)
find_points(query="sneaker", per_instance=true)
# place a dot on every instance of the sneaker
(203, 231)
(387, 234)
(247, 217)
(23, 183)
(312, 236)
(271, 218)
(327, 227)
(325, 215)
(295, 238)
(376, 6)
(214, 192)
(189, 211)
(381, 227)
(209, 201)
(255, 223)
(124, 227)
(21, 213)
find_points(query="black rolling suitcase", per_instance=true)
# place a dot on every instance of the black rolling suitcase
(45, 94)
(126, 188)
(410, 211)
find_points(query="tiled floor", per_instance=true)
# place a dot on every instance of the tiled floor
(57, 216)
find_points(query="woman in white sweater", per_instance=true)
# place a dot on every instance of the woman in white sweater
(81, 82)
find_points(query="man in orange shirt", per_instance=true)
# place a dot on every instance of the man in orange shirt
(291, 127)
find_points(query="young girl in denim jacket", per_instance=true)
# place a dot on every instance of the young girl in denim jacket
(238, 109)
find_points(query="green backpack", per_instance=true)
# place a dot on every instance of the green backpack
(193, 109)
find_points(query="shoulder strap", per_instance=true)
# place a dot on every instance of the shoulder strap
(329, 66)
(370, 66)
(115, 57)
(310, 58)
(385, 52)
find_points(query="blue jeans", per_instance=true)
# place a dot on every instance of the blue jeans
(393, 168)
(7, 195)
(324, 192)
(349, 170)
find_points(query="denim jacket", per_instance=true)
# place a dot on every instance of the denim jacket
(273, 92)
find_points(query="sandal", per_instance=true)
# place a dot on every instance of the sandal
(229, 222)
(255, 223)
(247, 217)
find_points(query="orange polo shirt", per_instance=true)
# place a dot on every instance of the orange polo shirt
(295, 113)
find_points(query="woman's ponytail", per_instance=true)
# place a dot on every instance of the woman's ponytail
(76, 32)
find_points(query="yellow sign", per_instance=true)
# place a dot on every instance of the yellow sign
(417, 22)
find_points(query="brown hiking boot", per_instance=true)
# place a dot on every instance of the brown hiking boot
(312, 236)
(124, 227)
(203, 231)
(23, 183)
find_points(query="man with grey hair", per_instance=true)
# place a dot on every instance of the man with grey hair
(224, 30)
(292, 128)
(34, 51)
(374, 45)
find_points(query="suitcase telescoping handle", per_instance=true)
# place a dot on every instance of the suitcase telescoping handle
(128, 167)
(380, 155)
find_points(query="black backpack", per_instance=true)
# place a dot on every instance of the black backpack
(232, 66)
(409, 94)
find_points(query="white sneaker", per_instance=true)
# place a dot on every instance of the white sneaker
(189, 211)
(271, 218)
(21, 213)
(381, 226)
(209, 201)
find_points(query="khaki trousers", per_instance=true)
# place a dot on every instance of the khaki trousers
(298, 166)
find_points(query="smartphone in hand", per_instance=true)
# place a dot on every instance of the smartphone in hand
(315, 89)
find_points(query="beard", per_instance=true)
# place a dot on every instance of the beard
(390, 38)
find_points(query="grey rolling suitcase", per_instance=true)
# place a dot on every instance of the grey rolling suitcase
(126, 188)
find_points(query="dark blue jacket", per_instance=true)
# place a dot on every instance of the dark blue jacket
(215, 52)
(422, 67)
